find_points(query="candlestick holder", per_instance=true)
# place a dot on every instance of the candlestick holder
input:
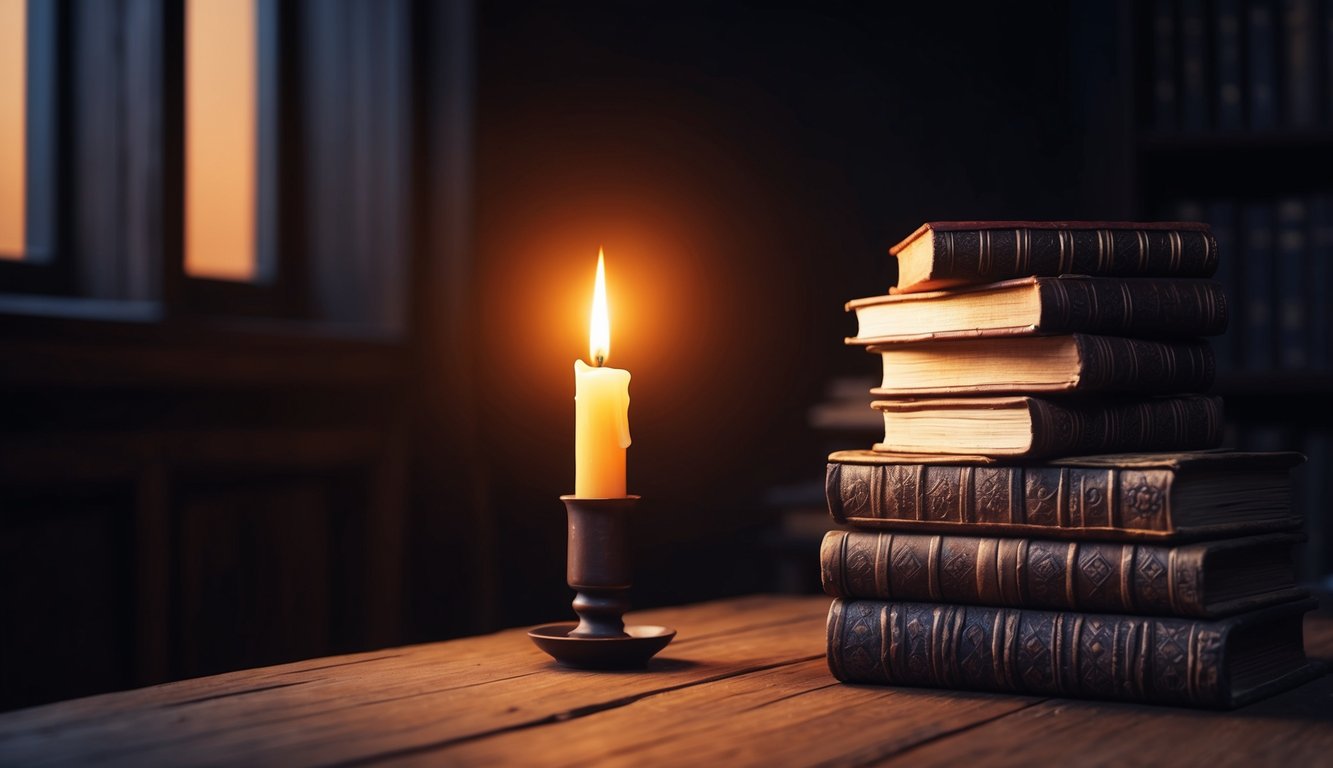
(598, 571)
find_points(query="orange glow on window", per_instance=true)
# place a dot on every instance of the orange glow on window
(13, 128)
(221, 83)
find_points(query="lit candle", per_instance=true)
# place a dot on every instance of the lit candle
(601, 408)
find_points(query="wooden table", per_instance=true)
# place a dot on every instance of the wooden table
(744, 683)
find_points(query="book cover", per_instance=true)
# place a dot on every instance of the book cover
(1164, 65)
(1135, 307)
(1261, 50)
(1193, 66)
(1221, 215)
(1022, 427)
(940, 254)
(1078, 363)
(1126, 497)
(1192, 662)
(1230, 106)
(1204, 579)
(1300, 62)
(1259, 341)
(1321, 275)
(1292, 283)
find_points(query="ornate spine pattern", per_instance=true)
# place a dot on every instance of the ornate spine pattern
(1059, 575)
(1115, 364)
(1065, 500)
(1160, 424)
(983, 255)
(1178, 308)
(1162, 660)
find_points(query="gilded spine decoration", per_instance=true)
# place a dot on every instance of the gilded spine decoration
(1069, 500)
(1164, 660)
(994, 254)
(1058, 575)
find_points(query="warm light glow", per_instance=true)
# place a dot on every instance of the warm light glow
(221, 137)
(13, 125)
(599, 329)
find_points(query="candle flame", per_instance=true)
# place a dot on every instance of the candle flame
(599, 329)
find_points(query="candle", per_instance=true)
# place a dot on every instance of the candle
(601, 408)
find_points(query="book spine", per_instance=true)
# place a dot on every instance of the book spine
(1292, 254)
(1164, 65)
(1157, 424)
(1115, 364)
(1257, 276)
(1299, 28)
(1132, 658)
(1027, 573)
(1321, 274)
(1230, 109)
(1262, 49)
(1057, 498)
(1221, 217)
(1193, 64)
(998, 254)
(1179, 308)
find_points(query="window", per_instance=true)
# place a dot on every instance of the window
(27, 128)
(222, 140)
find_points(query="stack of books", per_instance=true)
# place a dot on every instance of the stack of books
(1047, 513)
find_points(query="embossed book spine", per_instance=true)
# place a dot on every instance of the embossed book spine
(985, 254)
(1080, 655)
(1158, 424)
(1033, 573)
(1066, 502)
(1177, 308)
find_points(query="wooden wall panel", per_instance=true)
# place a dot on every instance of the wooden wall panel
(255, 574)
(66, 597)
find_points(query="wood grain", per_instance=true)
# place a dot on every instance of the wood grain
(744, 684)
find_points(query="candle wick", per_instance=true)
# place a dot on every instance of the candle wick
(597, 361)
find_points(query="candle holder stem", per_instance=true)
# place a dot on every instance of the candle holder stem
(598, 571)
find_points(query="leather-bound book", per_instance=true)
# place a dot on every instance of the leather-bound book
(1040, 364)
(1178, 309)
(1194, 662)
(1205, 579)
(1160, 496)
(1036, 428)
(943, 254)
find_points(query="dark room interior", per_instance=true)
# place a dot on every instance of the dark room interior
(302, 388)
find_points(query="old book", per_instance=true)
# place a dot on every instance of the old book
(942, 254)
(1162, 496)
(1205, 580)
(1043, 306)
(1069, 363)
(1193, 662)
(1033, 428)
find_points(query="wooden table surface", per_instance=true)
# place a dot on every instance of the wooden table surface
(745, 683)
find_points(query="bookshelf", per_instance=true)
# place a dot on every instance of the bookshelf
(1231, 122)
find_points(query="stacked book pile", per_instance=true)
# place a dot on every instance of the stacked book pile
(1047, 513)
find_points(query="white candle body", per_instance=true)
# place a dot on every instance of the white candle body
(601, 431)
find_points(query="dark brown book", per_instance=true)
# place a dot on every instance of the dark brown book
(1038, 364)
(1204, 580)
(1191, 662)
(1034, 306)
(1162, 496)
(1036, 428)
(941, 254)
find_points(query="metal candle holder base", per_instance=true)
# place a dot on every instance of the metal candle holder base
(598, 571)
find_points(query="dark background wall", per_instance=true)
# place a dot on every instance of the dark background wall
(746, 167)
